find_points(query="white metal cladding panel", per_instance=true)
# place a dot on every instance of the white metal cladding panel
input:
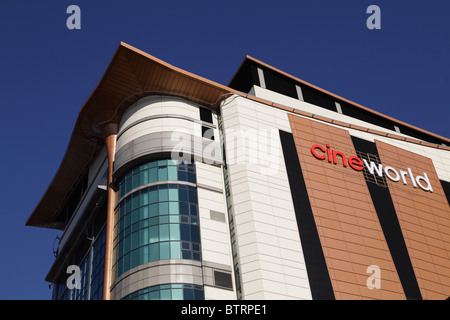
(269, 249)
(215, 237)
(157, 105)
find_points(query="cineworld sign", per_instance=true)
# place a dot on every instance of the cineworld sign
(357, 164)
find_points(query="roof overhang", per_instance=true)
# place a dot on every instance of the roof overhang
(131, 75)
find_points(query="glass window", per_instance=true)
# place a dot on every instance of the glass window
(158, 221)
(174, 291)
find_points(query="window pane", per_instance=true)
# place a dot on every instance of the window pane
(174, 232)
(163, 232)
(127, 245)
(154, 210)
(127, 183)
(135, 201)
(127, 220)
(127, 205)
(195, 234)
(134, 258)
(193, 196)
(164, 208)
(144, 177)
(163, 195)
(175, 250)
(177, 294)
(134, 240)
(162, 173)
(172, 173)
(144, 213)
(135, 180)
(153, 175)
(182, 195)
(173, 194)
(143, 237)
(144, 198)
(154, 252)
(126, 262)
(153, 196)
(164, 250)
(182, 176)
(135, 216)
(165, 294)
(154, 234)
(143, 254)
(184, 208)
(185, 234)
(188, 294)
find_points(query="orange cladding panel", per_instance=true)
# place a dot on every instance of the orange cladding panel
(424, 218)
(347, 223)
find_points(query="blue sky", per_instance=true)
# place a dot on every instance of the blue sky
(48, 72)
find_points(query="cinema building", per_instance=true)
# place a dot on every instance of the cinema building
(177, 187)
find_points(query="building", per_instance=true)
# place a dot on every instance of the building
(177, 187)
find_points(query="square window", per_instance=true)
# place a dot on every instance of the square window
(166, 294)
(173, 194)
(154, 221)
(163, 219)
(163, 195)
(177, 294)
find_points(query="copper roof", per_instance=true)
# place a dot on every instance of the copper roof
(131, 75)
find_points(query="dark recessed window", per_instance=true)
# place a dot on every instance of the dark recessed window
(206, 115)
(223, 279)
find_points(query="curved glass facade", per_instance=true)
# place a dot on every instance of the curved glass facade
(157, 215)
(174, 291)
